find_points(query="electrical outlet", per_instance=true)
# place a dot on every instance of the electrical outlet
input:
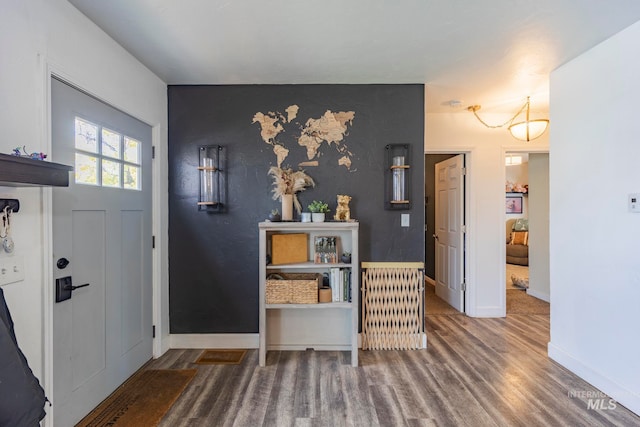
(404, 220)
(11, 269)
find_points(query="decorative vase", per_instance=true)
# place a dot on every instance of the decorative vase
(287, 207)
(275, 217)
(317, 216)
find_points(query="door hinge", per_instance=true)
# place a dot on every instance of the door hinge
(153, 242)
(153, 151)
(464, 228)
(463, 171)
(464, 286)
(153, 331)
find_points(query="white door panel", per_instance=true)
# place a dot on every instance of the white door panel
(103, 334)
(449, 235)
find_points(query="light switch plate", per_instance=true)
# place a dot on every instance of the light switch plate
(404, 220)
(11, 269)
(634, 202)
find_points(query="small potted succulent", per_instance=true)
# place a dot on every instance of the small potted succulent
(274, 216)
(318, 210)
(346, 257)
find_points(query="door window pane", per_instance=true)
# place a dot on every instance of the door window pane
(110, 143)
(131, 150)
(110, 173)
(117, 161)
(86, 136)
(86, 169)
(131, 178)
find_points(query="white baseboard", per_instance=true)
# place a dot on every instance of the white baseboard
(488, 312)
(627, 398)
(213, 341)
(539, 295)
(322, 347)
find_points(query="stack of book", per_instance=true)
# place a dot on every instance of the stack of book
(340, 282)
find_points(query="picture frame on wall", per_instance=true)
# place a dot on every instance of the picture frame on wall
(513, 205)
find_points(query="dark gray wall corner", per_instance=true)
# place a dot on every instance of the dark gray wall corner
(213, 258)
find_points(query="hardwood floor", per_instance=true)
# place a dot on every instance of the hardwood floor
(475, 372)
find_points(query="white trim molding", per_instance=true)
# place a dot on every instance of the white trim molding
(213, 340)
(539, 295)
(620, 394)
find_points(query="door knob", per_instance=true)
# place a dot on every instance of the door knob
(435, 236)
(62, 263)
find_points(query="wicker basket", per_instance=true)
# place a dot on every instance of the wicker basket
(293, 288)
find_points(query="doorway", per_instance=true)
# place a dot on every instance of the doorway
(527, 224)
(445, 260)
(101, 233)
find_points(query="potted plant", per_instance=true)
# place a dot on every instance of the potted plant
(346, 257)
(318, 210)
(274, 216)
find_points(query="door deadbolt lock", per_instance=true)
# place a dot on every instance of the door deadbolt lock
(62, 263)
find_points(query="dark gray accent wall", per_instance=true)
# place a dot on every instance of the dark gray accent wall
(213, 258)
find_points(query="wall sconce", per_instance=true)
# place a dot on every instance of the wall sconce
(212, 170)
(397, 176)
(527, 130)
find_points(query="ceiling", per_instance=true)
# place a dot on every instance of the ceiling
(493, 53)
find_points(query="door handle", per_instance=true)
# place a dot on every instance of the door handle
(435, 236)
(64, 287)
(73, 288)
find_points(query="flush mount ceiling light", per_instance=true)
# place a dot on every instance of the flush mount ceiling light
(527, 130)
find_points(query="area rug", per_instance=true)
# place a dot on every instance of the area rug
(221, 357)
(142, 400)
(519, 302)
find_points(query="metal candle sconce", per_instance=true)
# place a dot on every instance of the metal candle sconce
(212, 170)
(397, 177)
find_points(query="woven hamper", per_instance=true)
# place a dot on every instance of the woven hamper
(293, 288)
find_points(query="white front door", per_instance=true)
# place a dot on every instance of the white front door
(449, 235)
(101, 237)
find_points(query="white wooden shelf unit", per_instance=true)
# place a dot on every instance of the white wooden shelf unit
(322, 326)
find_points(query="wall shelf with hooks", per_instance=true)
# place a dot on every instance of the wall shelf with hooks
(25, 172)
(13, 204)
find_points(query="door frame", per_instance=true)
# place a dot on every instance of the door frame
(470, 296)
(160, 341)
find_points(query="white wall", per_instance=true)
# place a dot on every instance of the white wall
(594, 240)
(37, 35)
(539, 226)
(460, 131)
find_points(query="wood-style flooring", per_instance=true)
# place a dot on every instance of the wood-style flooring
(475, 372)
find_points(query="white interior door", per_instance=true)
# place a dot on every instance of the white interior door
(449, 235)
(102, 227)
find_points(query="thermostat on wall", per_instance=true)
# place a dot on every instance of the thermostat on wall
(634, 202)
